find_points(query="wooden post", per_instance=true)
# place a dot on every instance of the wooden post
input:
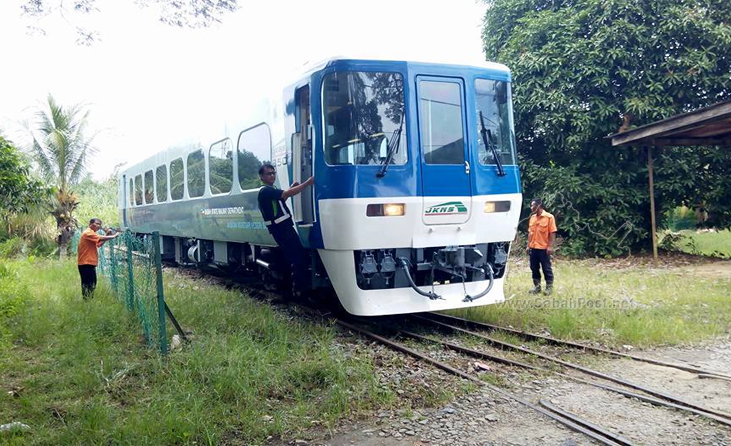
(652, 203)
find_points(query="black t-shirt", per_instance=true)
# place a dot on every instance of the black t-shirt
(272, 206)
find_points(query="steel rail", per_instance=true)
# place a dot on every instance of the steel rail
(555, 341)
(588, 371)
(652, 400)
(711, 376)
(567, 421)
(585, 423)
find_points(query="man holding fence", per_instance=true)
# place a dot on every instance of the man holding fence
(88, 256)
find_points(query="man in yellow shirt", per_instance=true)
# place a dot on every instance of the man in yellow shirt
(541, 236)
(88, 256)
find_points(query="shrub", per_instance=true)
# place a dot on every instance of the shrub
(12, 247)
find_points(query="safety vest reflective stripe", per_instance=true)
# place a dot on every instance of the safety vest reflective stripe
(277, 221)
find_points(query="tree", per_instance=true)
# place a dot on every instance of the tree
(188, 13)
(98, 199)
(18, 191)
(584, 69)
(61, 148)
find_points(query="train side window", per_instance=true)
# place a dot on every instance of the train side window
(364, 118)
(176, 179)
(221, 167)
(131, 192)
(254, 147)
(161, 183)
(149, 187)
(442, 134)
(196, 174)
(138, 190)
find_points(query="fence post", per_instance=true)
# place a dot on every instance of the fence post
(113, 267)
(160, 296)
(130, 276)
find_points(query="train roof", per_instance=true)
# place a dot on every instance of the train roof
(310, 67)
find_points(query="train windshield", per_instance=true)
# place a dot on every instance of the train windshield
(364, 118)
(493, 109)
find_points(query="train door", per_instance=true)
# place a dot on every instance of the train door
(302, 156)
(445, 166)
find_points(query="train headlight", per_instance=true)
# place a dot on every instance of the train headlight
(496, 206)
(386, 210)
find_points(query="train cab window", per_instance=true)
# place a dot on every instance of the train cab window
(196, 174)
(176, 179)
(253, 148)
(493, 109)
(131, 192)
(138, 190)
(149, 187)
(161, 183)
(364, 118)
(440, 122)
(221, 167)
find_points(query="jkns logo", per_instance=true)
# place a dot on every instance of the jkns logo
(450, 208)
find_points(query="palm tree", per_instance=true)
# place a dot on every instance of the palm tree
(61, 149)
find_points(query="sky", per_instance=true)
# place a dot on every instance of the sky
(148, 85)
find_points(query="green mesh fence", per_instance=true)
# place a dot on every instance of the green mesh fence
(134, 269)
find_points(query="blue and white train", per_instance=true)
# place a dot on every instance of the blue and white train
(417, 190)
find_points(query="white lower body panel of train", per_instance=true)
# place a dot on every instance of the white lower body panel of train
(359, 249)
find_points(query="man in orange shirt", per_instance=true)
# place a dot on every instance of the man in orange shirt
(88, 256)
(541, 235)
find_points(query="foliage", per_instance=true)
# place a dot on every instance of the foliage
(681, 218)
(98, 200)
(12, 297)
(589, 68)
(18, 191)
(188, 13)
(61, 148)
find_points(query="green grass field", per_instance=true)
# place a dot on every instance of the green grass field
(80, 372)
(714, 244)
(619, 302)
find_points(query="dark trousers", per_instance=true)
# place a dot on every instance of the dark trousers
(88, 280)
(539, 258)
(296, 256)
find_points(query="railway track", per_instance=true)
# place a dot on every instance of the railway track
(437, 322)
(596, 432)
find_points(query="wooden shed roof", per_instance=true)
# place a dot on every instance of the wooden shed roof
(708, 126)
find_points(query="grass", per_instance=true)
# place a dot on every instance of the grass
(83, 374)
(616, 304)
(713, 244)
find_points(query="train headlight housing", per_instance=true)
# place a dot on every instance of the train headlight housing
(386, 210)
(496, 206)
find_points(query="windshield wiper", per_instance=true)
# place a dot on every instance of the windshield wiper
(393, 146)
(487, 140)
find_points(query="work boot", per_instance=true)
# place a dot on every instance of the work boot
(549, 289)
(536, 288)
